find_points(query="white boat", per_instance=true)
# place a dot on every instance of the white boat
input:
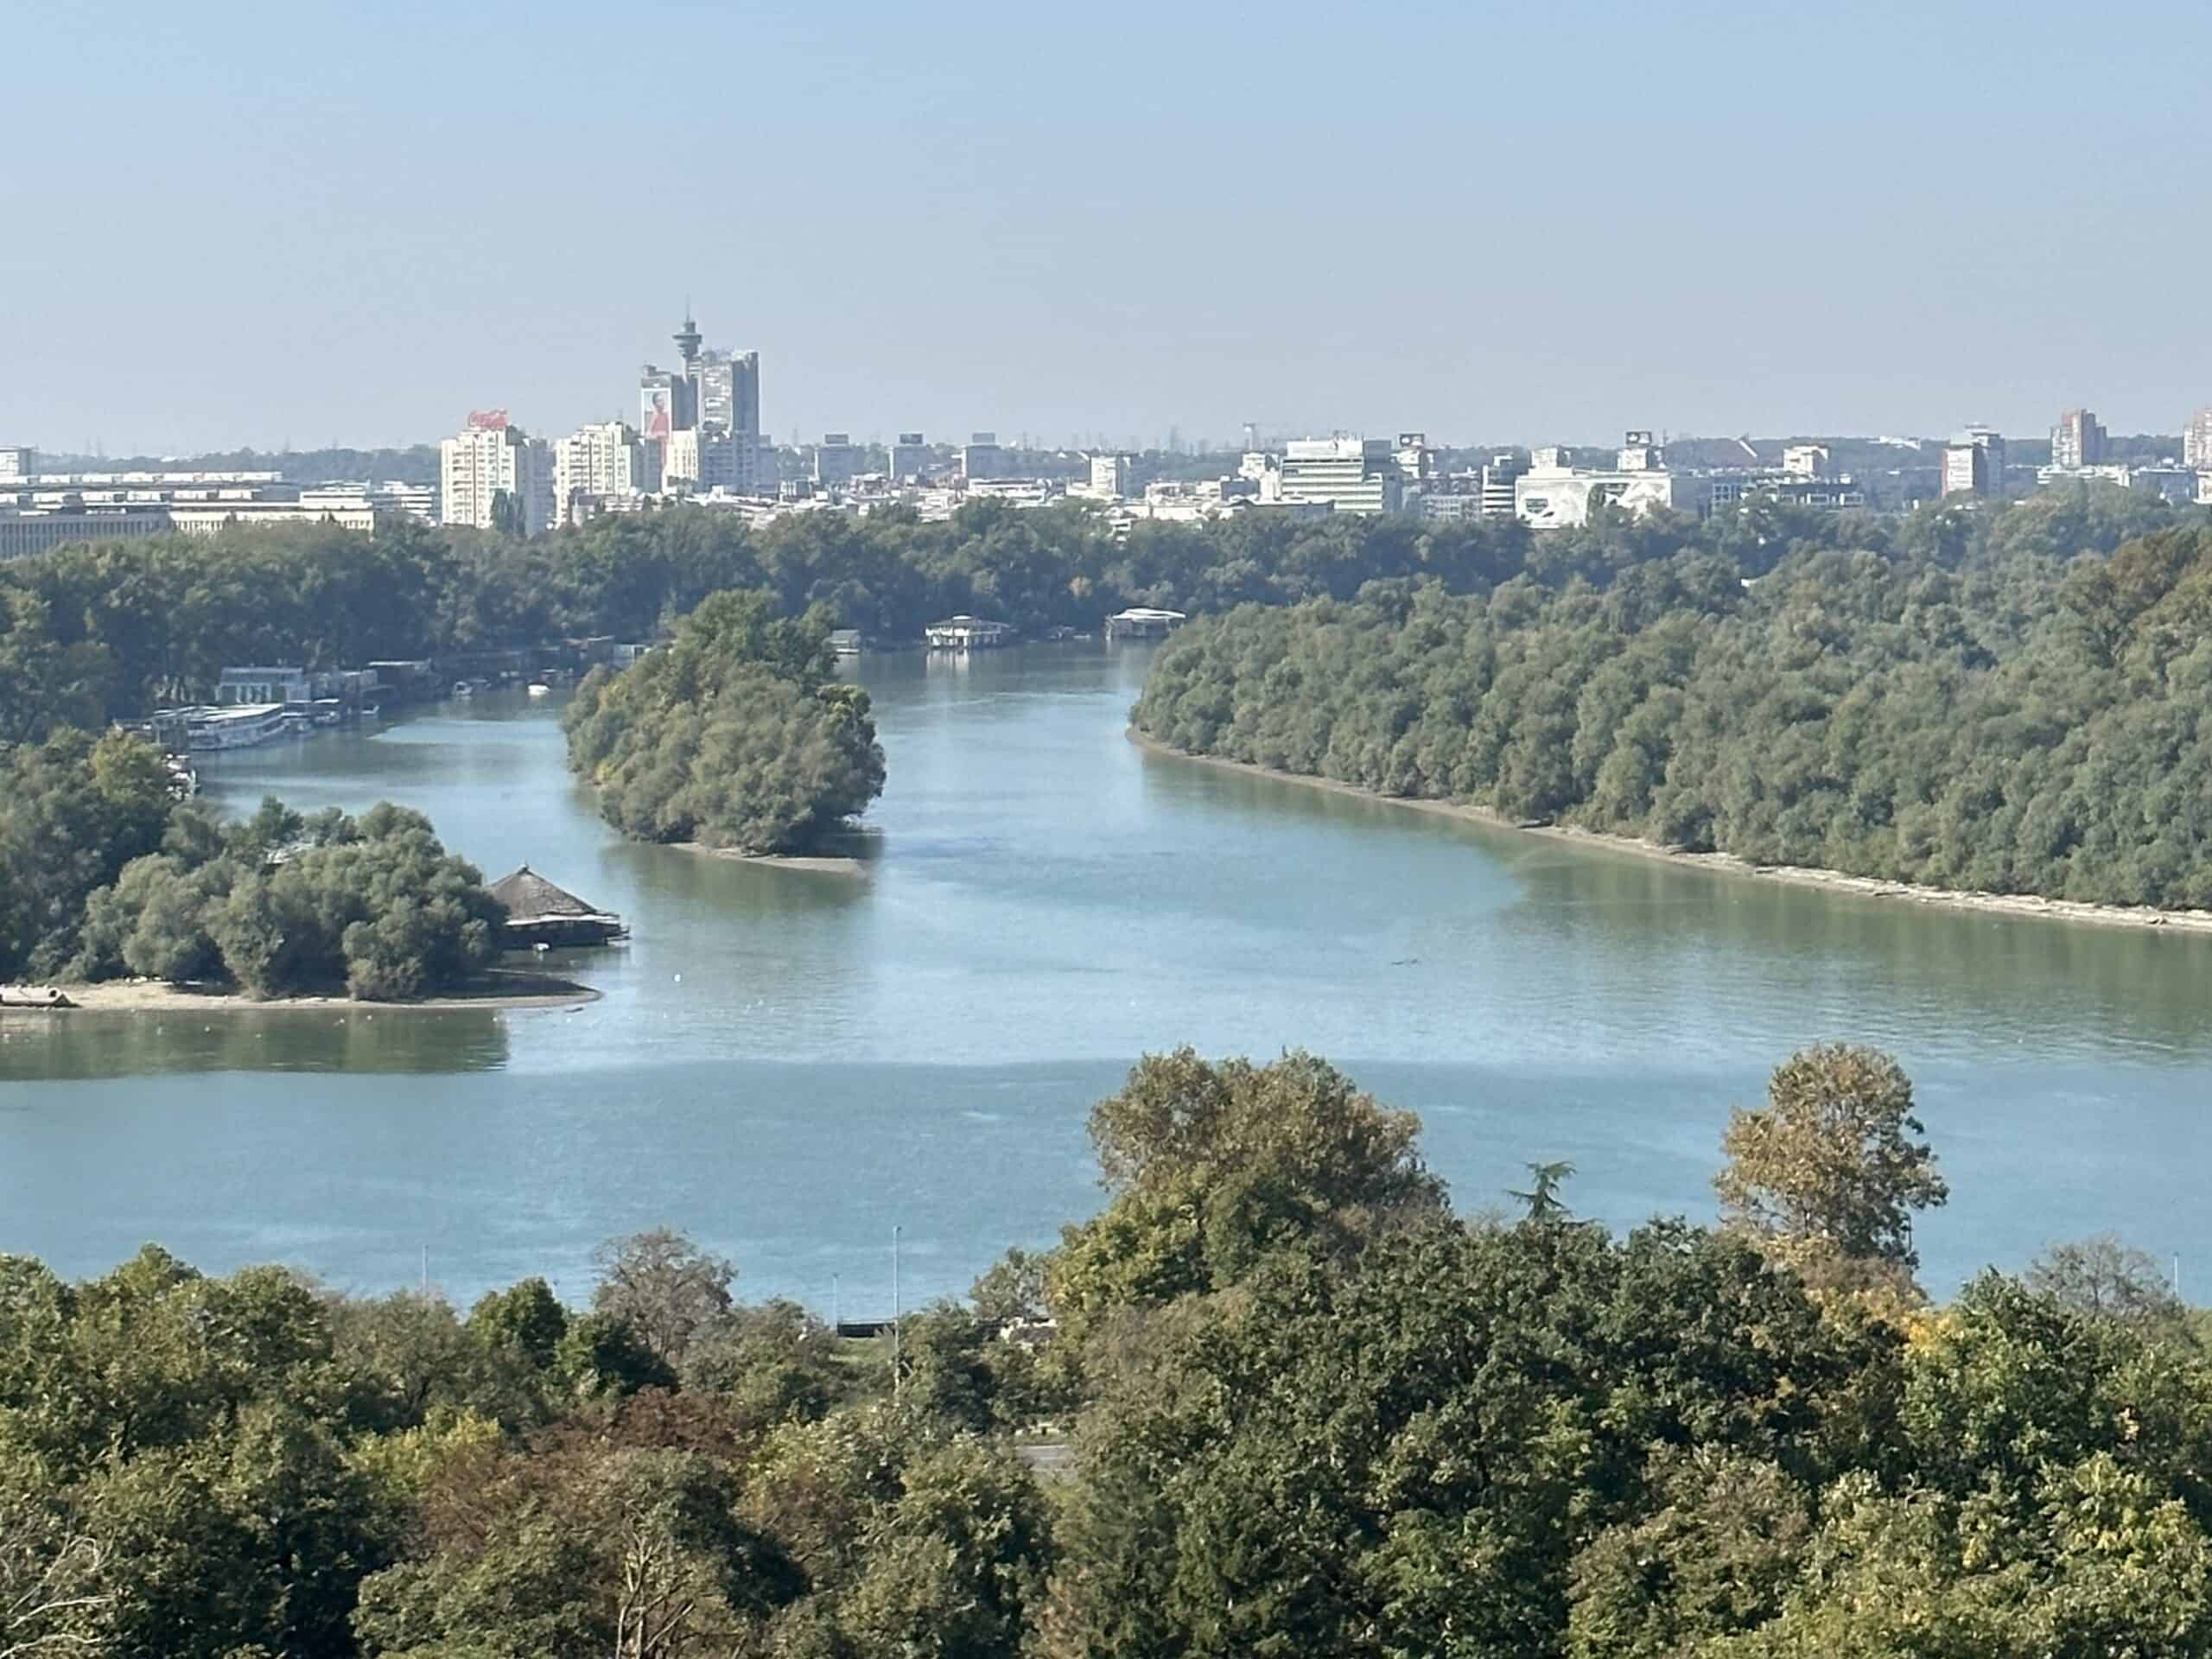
(463, 689)
(539, 690)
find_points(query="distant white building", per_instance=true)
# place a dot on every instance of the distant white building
(1806, 461)
(1974, 464)
(2197, 441)
(2077, 440)
(604, 463)
(392, 496)
(1113, 478)
(1345, 475)
(18, 461)
(490, 459)
(1552, 495)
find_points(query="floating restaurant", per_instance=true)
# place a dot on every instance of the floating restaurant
(968, 634)
(1143, 622)
(540, 914)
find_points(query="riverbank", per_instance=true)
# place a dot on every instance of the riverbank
(501, 990)
(1999, 904)
(818, 864)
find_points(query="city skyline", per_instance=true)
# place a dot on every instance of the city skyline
(1546, 224)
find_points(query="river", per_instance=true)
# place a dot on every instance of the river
(790, 1064)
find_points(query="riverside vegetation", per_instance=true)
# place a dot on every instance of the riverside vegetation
(737, 735)
(104, 873)
(105, 632)
(1306, 1409)
(2019, 716)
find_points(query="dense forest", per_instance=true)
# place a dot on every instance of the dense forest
(2022, 714)
(93, 633)
(1276, 1398)
(738, 734)
(104, 873)
(99, 632)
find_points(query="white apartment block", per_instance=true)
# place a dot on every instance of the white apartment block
(601, 462)
(490, 459)
(2197, 441)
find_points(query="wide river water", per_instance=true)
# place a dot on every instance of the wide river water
(789, 1064)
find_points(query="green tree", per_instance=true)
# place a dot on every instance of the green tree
(1832, 1165)
(1213, 1165)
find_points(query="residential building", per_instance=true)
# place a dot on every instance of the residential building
(2077, 440)
(1345, 475)
(980, 457)
(910, 457)
(18, 461)
(2197, 441)
(1552, 495)
(1113, 478)
(836, 460)
(601, 462)
(490, 459)
(666, 403)
(1806, 459)
(1974, 464)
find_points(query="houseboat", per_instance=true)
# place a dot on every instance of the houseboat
(1143, 622)
(968, 634)
(241, 726)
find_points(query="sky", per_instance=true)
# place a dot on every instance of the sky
(273, 225)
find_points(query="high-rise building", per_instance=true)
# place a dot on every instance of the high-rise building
(1974, 464)
(18, 463)
(837, 460)
(1349, 474)
(2077, 440)
(1113, 478)
(730, 391)
(665, 403)
(490, 460)
(2197, 441)
(910, 457)
(601, 462)
(980, 457)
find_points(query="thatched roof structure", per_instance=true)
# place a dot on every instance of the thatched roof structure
(537, 911)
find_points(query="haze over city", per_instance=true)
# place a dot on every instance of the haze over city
(1537, 223)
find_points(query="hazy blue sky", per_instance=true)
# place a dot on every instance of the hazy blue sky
(238, 224)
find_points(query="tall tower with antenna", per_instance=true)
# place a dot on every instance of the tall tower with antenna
(688, 340)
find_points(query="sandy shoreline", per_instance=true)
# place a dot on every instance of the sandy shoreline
(2063, 910)
(817, 863)
(153, 996)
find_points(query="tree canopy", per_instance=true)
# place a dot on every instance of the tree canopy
(736, 734)
(1299, 1407)
(2023, 715)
